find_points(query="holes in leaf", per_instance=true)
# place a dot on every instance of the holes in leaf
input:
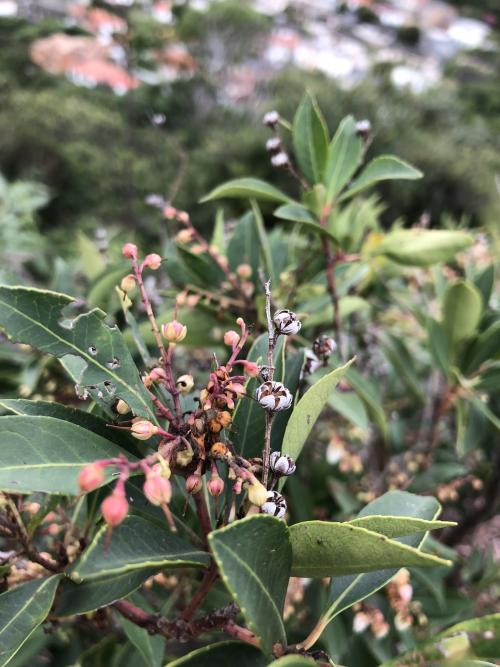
(114, 363)
(92, 350)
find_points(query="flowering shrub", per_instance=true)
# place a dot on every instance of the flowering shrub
(160, 513)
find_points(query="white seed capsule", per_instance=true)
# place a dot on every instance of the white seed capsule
(363, 127)
(286, 322)
(275, 505)
(274, 396)
(281, 159)
(311, 364)
(273, 144)
(282, 464)
(271, 118)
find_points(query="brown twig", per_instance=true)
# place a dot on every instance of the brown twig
(202, 511)
(330, 261)
(266, 452)
(207, 582)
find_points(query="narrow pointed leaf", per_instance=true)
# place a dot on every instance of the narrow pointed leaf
(344, 157)
(310, 139)
(83, 598)
(383, 168)
(300, 215)
(224, 654)
(22, 610)
(398, 526)
(247, 188)
(46, 454)
(328, 549)
(307, 411)
(254, 558)
(423, 247)
(35, 317)
(137, 544)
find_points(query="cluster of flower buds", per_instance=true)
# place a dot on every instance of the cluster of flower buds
(286, 322)
(275, 505)
(400, 594)
(222, 390)
(281, 464)
(273, 396)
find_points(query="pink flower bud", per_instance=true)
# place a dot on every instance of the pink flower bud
(158, 375)
(251, 368)
(193, 483)
(129, 250)
(91, 477)
(237, 388)
(143, 430)
(231, 338)
(215, 486)
(169, 212)
(114, 508)
(244, 271)
(128, 283)
(157, 489)
(152, 261)
(174, 331)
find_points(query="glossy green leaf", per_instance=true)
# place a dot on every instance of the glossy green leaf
(423, 247)
(329, 549)
(347, 590)
(462, 307)
(22, 610)
(223, 654)
(291, 379)
(344, 157)
(254, 558)
(150, 647)
(383, 168)
(438, 345)
(247, 188)
(137, 544)
(310, 139)
(370, 395)
(35, 317)
(485, 346)
(86, 420)
(351, 407)
(75, 599)
(300, 215)
(244, 245)
(46, 454)
(307, 411)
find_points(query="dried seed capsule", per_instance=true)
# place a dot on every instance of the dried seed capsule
(324, 347)
(363, 128)
(185, 383)
(282, 464)
(275, 505)
(271, 118)
(274, 396)
(280, 159)
(311, 364)
(286, 322)
(273, 144)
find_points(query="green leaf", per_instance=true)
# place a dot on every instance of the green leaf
(326, 549)
(254, 558)
(22, 610)
(438, 345)
(310, 139)
(300, 215)
(46, 454)
(383, 168)
(247, 431)
(351, 407)
(485, 346)
(398, 526)
(462, 308)
(307, 411)
(92, 261)
(291, 380)
(66, 413)
(137, 544)
(344, 157)
(151, 647)
(369, 393)
(265, 248)
(35, 317)
(241, 188)
(224, 654)
(423, 247)
(74, 599)
(243, 246)
(346, 591)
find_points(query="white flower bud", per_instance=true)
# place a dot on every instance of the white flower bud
(275, 505)
(281, 159)
(286, 322)
(271, 118)
(273, 144)
(282, 464)
(274, 396)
